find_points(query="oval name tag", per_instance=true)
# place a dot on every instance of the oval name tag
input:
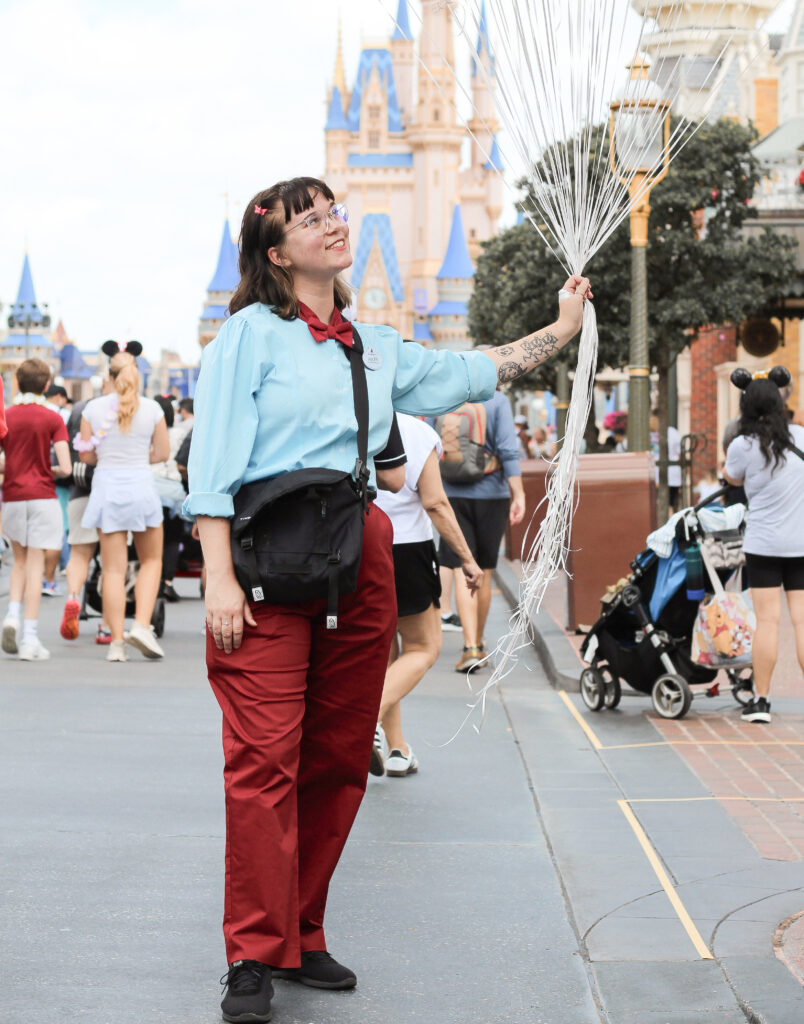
(372, 359)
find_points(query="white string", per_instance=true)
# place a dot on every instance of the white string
(558, 65)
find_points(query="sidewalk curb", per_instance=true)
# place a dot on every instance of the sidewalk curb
(558, 658)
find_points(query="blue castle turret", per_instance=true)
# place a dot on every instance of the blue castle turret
(455, 279)
(219, 290)
(27, 323)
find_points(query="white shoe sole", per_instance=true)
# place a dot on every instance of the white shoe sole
(9, 641)
(398, 774)
(759, 716)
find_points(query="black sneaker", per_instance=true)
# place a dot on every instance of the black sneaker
(451, 623)
(757, 711)
(248, 992)
(318, 970)
(168, 592)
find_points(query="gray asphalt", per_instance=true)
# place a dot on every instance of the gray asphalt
(500, 884)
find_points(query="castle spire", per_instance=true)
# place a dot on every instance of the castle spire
(339, 78)
(402, 27)
(483, 42)
(457, 262)
(26, 304)
(227, 275)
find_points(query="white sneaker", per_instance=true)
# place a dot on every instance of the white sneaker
(377, 763)
(33, 650)
(400, 764)
(11, 634)
(144, 639)
(117, 652)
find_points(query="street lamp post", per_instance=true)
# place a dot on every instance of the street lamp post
(639, 126)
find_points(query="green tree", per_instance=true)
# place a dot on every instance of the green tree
(695, 277)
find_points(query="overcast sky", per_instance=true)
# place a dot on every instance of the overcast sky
(126, 122)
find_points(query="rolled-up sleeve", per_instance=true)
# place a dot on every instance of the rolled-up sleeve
(225, 423)
(430, 382)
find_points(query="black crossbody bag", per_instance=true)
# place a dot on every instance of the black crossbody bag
(299, 536)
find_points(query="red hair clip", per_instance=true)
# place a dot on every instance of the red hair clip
(260, 210)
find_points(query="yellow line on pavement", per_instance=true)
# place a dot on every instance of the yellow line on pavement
(577, 716)
(666, 884)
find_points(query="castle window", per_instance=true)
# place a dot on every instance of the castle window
(436, 114)
(374, 112)
(472, 233)
(374, 140)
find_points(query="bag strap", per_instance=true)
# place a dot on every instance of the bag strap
(793, 448)
(361, 400)
(717, 587)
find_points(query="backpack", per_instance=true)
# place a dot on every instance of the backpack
(464, 458)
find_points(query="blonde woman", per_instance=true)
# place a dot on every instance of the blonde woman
(122, 434)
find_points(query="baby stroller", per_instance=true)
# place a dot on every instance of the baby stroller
(92, 593)
(644, 634)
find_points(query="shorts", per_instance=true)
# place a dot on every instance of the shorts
(774, 571)
(34, 524)
(418, 585)
(79, 534)
(482, 522)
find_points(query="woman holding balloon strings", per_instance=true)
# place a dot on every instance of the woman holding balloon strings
(299, 701)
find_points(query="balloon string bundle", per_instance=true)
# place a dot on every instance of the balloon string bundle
(554, 67)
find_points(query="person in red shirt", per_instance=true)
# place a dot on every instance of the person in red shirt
(32, 518)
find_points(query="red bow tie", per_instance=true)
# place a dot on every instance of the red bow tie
(337, 328)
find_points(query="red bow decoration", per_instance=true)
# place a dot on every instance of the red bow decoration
(337, 328)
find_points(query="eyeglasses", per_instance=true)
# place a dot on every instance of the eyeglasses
(318, 223)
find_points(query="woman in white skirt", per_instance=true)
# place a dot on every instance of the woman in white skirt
(122, 434)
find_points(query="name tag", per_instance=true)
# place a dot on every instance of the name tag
(372, 359)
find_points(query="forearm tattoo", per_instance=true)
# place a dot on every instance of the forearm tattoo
(528, 353)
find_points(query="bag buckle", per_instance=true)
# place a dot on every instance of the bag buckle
(247, 543)
(257, 594)
(332, 622)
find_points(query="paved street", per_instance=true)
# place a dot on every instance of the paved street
(509, 881)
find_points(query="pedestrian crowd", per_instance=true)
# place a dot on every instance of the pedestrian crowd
(95, 487)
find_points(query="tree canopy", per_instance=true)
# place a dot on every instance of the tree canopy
(694, 277)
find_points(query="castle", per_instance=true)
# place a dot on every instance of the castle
(393, 154)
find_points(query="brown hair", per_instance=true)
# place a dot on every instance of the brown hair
(33, 375)
(260, 279)
(126, 379)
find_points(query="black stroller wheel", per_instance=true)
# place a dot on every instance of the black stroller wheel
(742, 685)
(671, 696)
(613, 693)
(158, 617)
(593, 689)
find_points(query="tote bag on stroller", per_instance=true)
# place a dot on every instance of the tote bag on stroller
(724, 626)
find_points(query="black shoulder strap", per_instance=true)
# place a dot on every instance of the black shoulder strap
(793, 448)
(361, 399)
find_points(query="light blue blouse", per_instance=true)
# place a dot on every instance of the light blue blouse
(270, 399)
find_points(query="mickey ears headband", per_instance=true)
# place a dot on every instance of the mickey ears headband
(111, 348)
(779, 376)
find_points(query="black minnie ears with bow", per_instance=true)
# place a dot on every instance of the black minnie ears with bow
(111, 348)
(779, 376)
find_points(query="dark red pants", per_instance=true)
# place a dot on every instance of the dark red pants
(300, 706)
